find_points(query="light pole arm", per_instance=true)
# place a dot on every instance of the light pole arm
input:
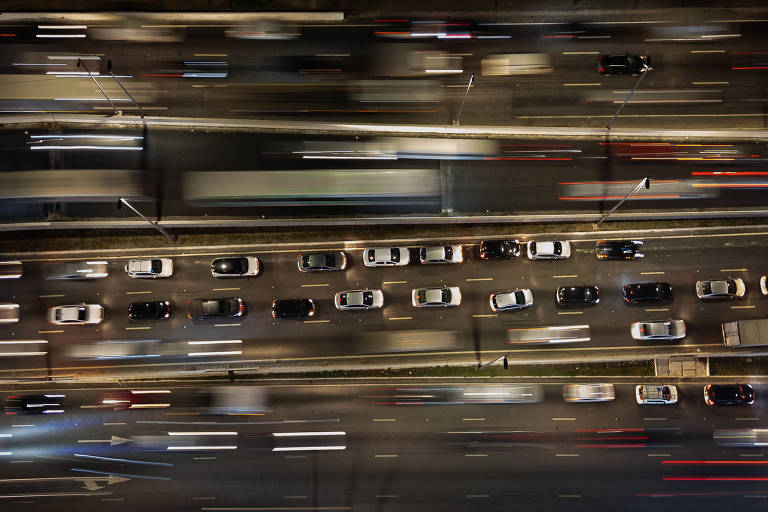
(645, 181)
(155, 225)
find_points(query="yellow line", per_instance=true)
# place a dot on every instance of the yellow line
(384, 419)
(479, 279)
(733, 269)
(48, 332)
(316, 321)
(475, 454)
(707, 51)
(137, 293)
(395, 282)
(570, 312)
(385, 456)
(709, 83)
(224, 289)
(50, 296)
(743, 307)
(581, 53)
(312, 285)
(657, 309)
(582, 85)
(568, 275)
(400, 318)
(485, 316)
(227, 325)
(210, 55)
(472, 419)
(137, 328)
(652, 273)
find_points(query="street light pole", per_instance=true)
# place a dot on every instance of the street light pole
(621, 107)
(461, 108)
(645, 181)
(109, 70)
(81, 63)
(505, 362)
(122, 201)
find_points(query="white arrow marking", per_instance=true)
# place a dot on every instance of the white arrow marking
(88, 481)
(113, 441)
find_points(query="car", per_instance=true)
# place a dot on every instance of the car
(235, 266)
(647, 293)
(154, 310)
(293, 308)
(200, 309)
(359, 299)
(436, 297)
(9, 313)
(577, 295)
(80, 270)
(499, 249)
(137, 399)
(729, 394)
(34, 404)
(720, 289)
(655, 395)
(741, 437)
(504, 394)
(76, 314)
(441, 254)
(589, 392)
(658, 330)
(763, 285)
(386, 257)
(322, 261)
(548, 250)
(149, 268)
(511, 300)
(623, 64)
(10, 269)
(619, 249)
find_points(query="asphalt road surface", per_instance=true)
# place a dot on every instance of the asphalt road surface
(333, 447)
(346, 338)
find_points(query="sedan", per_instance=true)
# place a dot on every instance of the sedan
(322, 261)
(764, 285)
(236, 266)
(720, 289)
(386, 257)
(511, 300)
(577, 295)
(658, 330)
(9, 313)
(359, 299)
(619, 249)
(137, 399)
(76, 314)
(647, 293)
(623, 64)
(729, 394)
(149, 268)
(655, 395)
(10, 269)
(499, 249)
(441, 254)
(34, 404)
(79, 270)
(589, 393)
(436, 297)
(155, 310)
(200, 309)
(549, 250)
(293, 308)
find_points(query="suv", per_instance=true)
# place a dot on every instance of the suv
(149, 268)
(293, 308)
(499, 249)
(658, 330)
(649, 395)
(577, 295)
(322, 261)
(623, 64)
(647, 293)
(619, 249)
(441, 254)
(200, 309)
(726, 394)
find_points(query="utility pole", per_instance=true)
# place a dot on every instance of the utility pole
(621, 107)
(461, 108)
(109, 70)
(645, 181)
(114, 108)
(122, 201)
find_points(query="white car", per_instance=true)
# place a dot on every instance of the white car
(652, 395)
(10, 269)
(79, 270)
(549, 250)
(589, 392)
(720, 289)
(512, 299)
(436, 297)
(386, 257)
(149, 268)
(9, 313)
(76, 314)
(359, 299)
(658, 330)
(763, 285)
(441, 254)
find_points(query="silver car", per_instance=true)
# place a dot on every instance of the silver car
(149, 268)
(359, 299)
(436, 297)
(511, 300)
(79, 270)
(386, 257)
(658, 330)
(9, 313)
(441, 254)
(589, 392)
(720, 289)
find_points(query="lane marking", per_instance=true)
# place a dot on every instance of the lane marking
(747, 419)
(563, 419)
(210, 55)
(656, 309)
(316, 321)
(485, 316)
(751, 455)
(203, 458)
(478, 495)
(297, 497)
(709, 83)
(655, 419)
(227, 325)
(314, 285)
(400, 318)
(384, 419)
(655, 273)
(475, 454)
(659, 454)
(386, 456)
(733, 269)
(581, 53)
(138, 328)
(472, 419)
(470, 279)
(709, 51)
(51, 296)
(566, 455)
(578, 496)
(387, 496)
(48, 332)
(224, 289)
(570, 312)
(395, 282)
(113, 423)
(138, 293)
(743, 307)
(567, 275)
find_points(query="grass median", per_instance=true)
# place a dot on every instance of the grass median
(739, 366)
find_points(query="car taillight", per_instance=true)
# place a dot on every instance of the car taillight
(602, 69)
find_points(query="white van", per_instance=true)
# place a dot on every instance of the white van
(651, 395)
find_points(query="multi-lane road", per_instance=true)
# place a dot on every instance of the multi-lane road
(386, 446)
(347, 338)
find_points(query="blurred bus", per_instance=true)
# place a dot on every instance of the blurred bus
(88, 185)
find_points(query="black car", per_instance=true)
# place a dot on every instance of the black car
(155, 310)
(624, 64)
(647, 293)
(215, 308)
(726, 394)
(235, 266)
(499, 249)
(293, 308)
(577, 295)
(619, 249)
(34, 404)
(322, 261)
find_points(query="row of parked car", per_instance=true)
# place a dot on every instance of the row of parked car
(714, 394)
